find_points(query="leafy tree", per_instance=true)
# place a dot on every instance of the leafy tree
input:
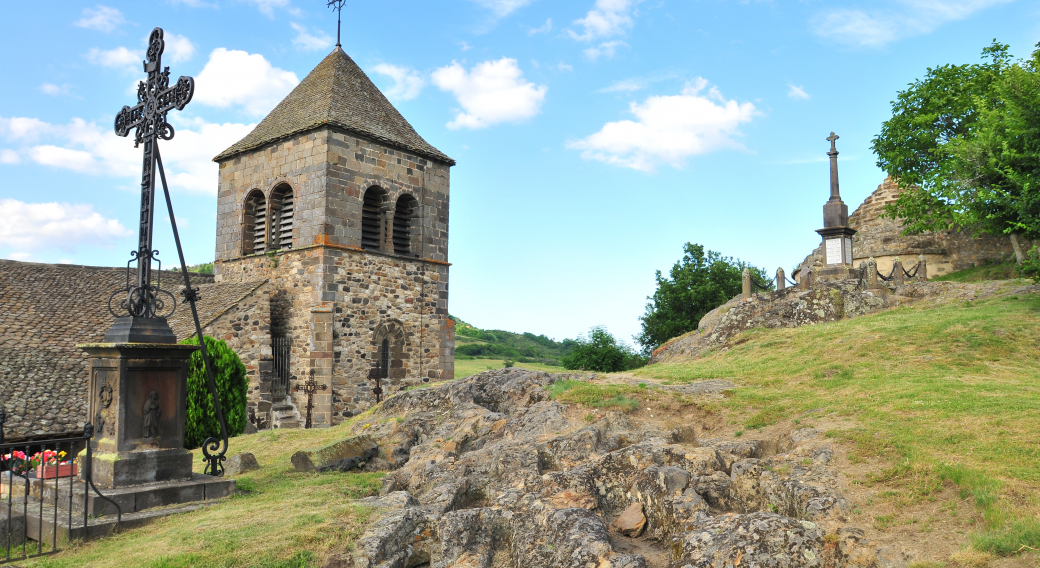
(601, 352)
(230, 376)
(700, 282)
(964, 144)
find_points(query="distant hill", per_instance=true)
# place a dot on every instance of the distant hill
(471, 342)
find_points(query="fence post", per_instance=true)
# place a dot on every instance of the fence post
(922, 268)
(745, 281)
(897, 272)
(781, 280)
(872, 280)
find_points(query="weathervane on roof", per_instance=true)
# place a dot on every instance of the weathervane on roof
(337, 5)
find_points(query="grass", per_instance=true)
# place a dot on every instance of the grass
(944, 395)
(995, 271)
(467, 367)
(598, 396)
(283, 519)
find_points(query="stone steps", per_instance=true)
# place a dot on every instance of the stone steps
(284, 415)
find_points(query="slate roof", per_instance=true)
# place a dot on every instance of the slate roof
(337, 93)
(45, 311)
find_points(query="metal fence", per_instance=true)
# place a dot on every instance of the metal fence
(46, 492)
(281, 351)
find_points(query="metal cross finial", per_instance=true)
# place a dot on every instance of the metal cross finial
(337, 5)
(832, 138)
(155, 98)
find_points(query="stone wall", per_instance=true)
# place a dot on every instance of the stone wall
(945, 251)
(337, 306)
(329, 171)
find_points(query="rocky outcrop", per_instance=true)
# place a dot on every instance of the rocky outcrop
(489, 472)
(341, 456)
(792, 307)
(825, 302)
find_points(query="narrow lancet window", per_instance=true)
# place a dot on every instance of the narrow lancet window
(405, 211)
(282, 218)
(255, 223)
(371, 224)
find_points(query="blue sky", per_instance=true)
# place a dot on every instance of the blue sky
(593, 137)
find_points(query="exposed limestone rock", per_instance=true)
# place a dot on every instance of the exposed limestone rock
(490, 473)
(632, 521)
(342, 456)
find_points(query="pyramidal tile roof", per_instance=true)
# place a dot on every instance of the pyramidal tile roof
(337, 93)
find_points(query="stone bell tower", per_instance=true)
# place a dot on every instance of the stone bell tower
(338, 202)
(836, 233)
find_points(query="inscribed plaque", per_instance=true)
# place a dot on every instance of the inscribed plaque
(848, 251)
(833, 250)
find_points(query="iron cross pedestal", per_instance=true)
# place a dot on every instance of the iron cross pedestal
(142, 306)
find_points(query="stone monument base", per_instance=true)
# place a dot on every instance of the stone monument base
(126, 469)
(58, 506)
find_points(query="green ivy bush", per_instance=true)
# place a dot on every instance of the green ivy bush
(230, 376)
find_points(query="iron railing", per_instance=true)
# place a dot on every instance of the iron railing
(40, 504)
(281, 350)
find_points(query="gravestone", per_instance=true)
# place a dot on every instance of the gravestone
(836, 233)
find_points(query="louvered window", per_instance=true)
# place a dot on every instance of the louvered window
(282, 218)
(255, 225)
(371, 235)
(403, 214)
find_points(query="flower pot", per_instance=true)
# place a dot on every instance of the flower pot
(50, 471)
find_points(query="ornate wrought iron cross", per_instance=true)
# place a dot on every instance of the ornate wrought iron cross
(155, 98)
(337, 5)
(310, 387)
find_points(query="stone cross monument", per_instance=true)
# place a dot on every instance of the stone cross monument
(836, 234)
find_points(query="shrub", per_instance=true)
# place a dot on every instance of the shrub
(1030, 267)
(230, 376)
(601, 352)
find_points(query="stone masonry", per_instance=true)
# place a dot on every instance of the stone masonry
(336, 300)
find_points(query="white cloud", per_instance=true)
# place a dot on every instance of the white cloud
(490, 93)
(669, 129)
(24, 128)
(119, 57)
(267, 7)
(894, 20)
(178, 48)
(608, 18)
(9, 157)
(102, 18)
(606, 48)
(52, 89)
(564, 67)
(543, 29)
(407, 82)
(797, 93)
(22, 256)
(39, 226)
(465, 46)
(310, 42)
(84, 147)
(502, 8)
(233, 77)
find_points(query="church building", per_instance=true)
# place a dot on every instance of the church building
(338, 204)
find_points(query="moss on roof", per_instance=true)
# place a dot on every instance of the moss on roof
(337, 93)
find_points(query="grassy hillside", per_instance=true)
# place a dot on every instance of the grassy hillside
(938, 395)
(494, 344)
